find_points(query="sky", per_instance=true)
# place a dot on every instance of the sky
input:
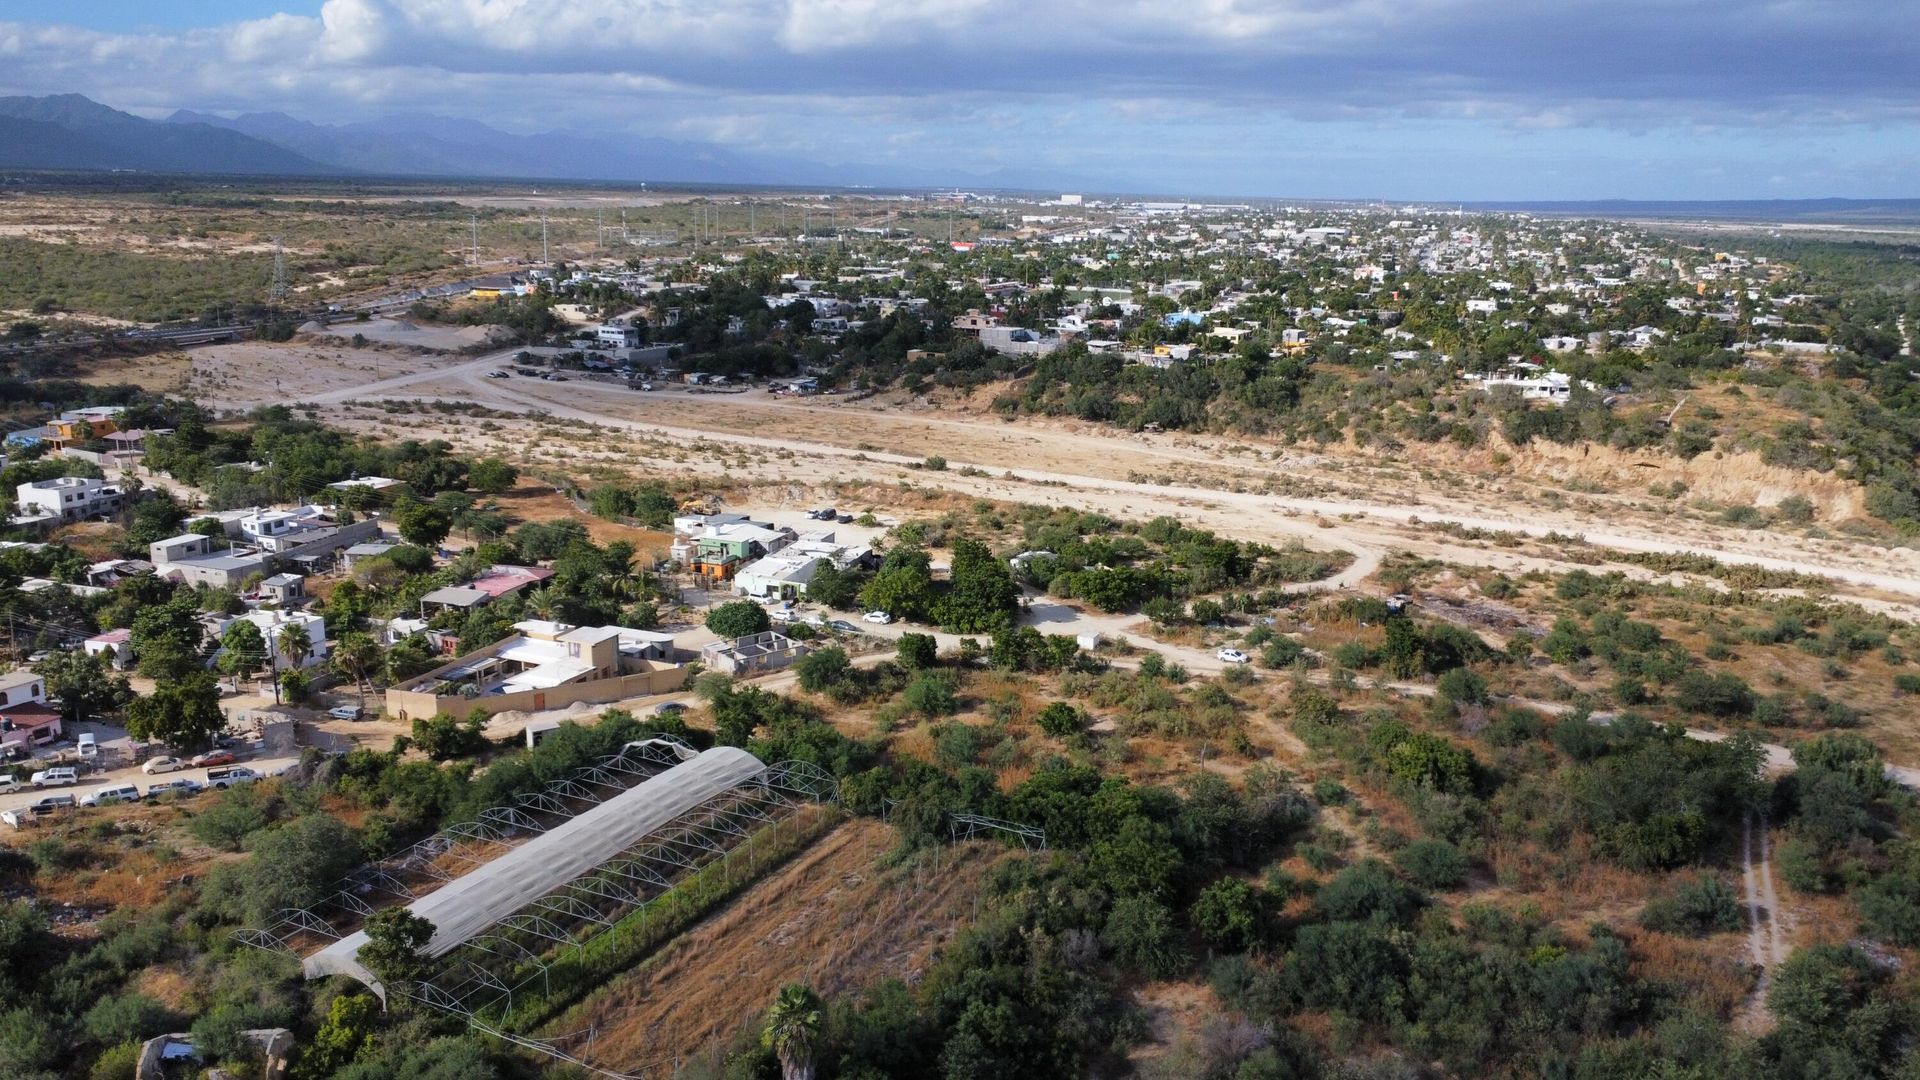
(1494, 100)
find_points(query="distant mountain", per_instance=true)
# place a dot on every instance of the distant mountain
(68, 131)
(425, 145)
(445, 146)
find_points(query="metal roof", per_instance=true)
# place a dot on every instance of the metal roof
(468, 905)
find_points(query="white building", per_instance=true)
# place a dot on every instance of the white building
(66, 498)
(272, 622)
(619, 337)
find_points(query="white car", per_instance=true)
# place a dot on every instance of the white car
(880, 617)
(109, 795)
(156, 766)
(1231, 656)
(64, 775)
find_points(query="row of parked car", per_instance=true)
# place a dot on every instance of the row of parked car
(218, 778)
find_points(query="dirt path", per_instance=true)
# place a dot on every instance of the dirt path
(1002, 465)
(1767, 944)
(833, 918)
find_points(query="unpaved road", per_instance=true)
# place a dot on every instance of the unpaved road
(1096, 470)
(1767, 938)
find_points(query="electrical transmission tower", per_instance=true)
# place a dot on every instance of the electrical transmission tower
(545, 258)
(473, 221)
(277, 292)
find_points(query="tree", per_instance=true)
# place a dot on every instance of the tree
(182, 712)
(491, 476)
(792, 1029)
(356, 655)
(738, 619)
(395, 937)
(1228, 915)
(294, 645)
(83, 683)
(904, 586)
(1061, 720)
(166, 639)
(833, 587)
(421, 523)
(917, 652)
(155, 517)
(982, 597)
(243, 650)
(823, 669)
(1141, 931)
(347, 1032)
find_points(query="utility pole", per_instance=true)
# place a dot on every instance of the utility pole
(599, 228)
(277, 292)
(473, 222)
(545, 258)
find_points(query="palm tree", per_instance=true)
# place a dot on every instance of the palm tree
(294, 647)
(793, 1026)
(543, 603)
(356, 654)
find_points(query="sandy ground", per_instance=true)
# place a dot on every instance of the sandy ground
(408, 333)
(1269, 494)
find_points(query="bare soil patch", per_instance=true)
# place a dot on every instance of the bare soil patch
(834, 917)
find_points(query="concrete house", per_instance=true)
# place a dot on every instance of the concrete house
(543, 665)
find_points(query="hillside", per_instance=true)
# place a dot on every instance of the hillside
(69, 131)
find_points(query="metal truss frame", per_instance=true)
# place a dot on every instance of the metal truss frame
(579, 910)
(465, 844)
(970, 826)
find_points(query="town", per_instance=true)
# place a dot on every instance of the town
(732, 541)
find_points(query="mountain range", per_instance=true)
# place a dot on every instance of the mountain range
(69, 131)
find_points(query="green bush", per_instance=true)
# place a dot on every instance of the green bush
(1433, 864)
(738, 619)
(1061, 720)
(1702, 905)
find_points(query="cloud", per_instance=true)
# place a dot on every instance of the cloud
(971, 77)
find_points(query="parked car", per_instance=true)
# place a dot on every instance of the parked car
(214, 757)
(880, 617)
(228, 775)
(527, 371)
(45, 804)
(87, 746)
(346, 712)
(9, 783)
(496, 374)
(669, 708)
(179, 785)
(646, 386)
(162, 764)
(107, 796)
(1231, 656)
(845, 519)
(844, 626)
(61, 776)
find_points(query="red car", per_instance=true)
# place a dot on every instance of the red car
(213, 757)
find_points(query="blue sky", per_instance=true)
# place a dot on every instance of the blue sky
(1398, 99)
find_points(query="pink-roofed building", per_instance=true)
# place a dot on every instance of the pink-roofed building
(115, 645)
(497, 581)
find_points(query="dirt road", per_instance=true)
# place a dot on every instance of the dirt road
(1101, 470)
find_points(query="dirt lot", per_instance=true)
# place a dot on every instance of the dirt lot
(833, 917)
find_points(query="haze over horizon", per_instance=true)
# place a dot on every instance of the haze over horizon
(1476, 100)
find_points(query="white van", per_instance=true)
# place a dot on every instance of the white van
(9, 783)
(87, 745)
(107, 796)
